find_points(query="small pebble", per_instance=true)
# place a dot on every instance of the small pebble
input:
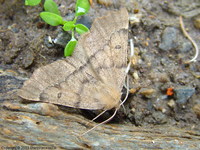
(135, 18)
(171, 103)
(62, 38)
(186, 47)
(105, 2)
(134, 60)
(160, 107)
(133, 110)
(183, 94)
(135, 75)
(48, 41)
(169, 39)
(146, 92)
(28, 60)
(132, 91)
(197, 22)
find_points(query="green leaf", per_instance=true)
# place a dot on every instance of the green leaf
(80, 28)
(51, 6)
(82, 7)
(32, 2)
(51, 18)
(69, 48)
(69, 25)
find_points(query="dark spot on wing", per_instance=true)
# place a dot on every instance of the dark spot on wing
(59, 95)
(118, 47)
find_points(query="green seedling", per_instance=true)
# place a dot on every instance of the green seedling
(32, 2)
(51, 16)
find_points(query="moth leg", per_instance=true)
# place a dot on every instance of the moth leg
(127, 92)
(123, 106)
(101, 122)
(126, 85)
(131, 55)
(129, 64)
(97, 116)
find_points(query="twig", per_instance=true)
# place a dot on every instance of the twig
(194, 59)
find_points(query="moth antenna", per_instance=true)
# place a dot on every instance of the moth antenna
(131, 55)
(129, 64)
(101, 123)
(127, 92)
(127, 70)
(97, 116)
(123, 106)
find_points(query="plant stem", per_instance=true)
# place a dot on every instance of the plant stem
(75, 19)
(73, 33)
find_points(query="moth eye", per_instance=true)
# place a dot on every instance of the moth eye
(118, 47)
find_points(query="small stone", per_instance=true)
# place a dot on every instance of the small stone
(62, 39)
(135, 75)
(160, 106)
(147, 92)
(183, 94)
(135, 18)
(136, 11)
(197, 22)
(196, 109)
(105, 2)
(171, 103)
(132, 91)
(133, 110)
(48, 41)
(163, 110)
(186, 47)
(169, 39)
(134, 60)
(28, 60)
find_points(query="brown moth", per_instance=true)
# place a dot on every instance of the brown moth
(94, 76)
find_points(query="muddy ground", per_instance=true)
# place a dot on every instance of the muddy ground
(164, 89)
